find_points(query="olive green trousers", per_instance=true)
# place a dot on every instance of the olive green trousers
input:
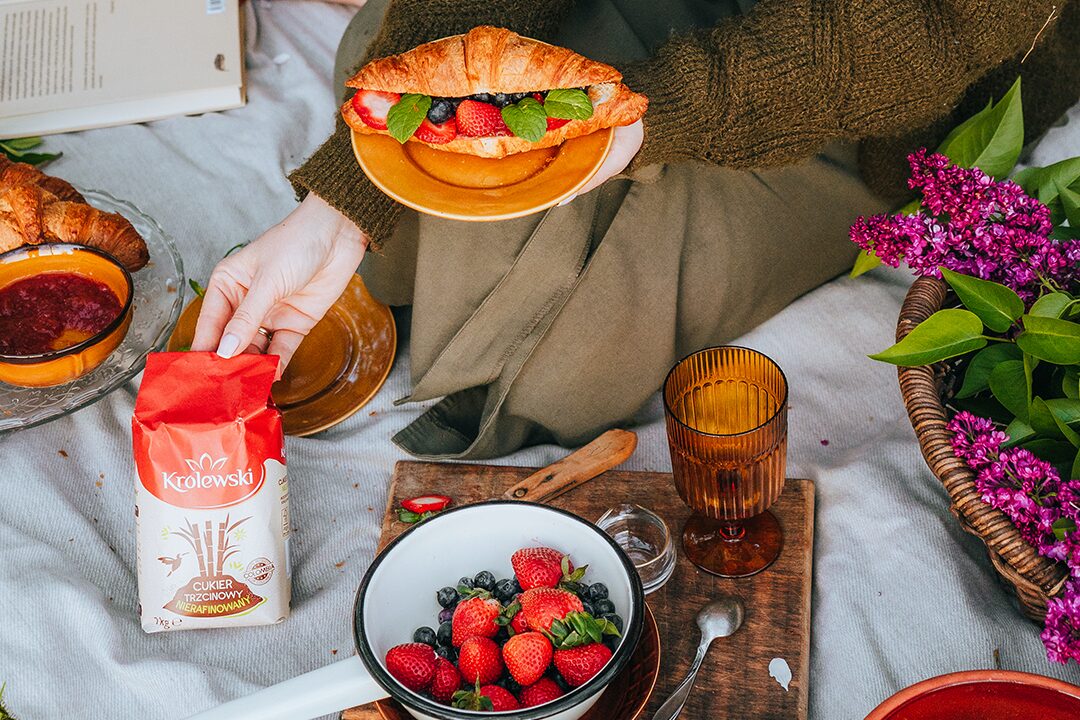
(557, 326)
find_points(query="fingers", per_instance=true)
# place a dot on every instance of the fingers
(216, 310)
(241, 330)
(283, 343)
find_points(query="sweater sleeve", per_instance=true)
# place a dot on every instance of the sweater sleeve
(332, 172)
(774, 85)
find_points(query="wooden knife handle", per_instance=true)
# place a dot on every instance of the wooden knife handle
(580, 466)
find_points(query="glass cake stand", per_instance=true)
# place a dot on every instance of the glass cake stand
(158, 299)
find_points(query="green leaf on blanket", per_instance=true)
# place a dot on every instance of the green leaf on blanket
(996, 305)
(407, 115)
(943, 335)
(526, 119)
(18, 150)
(992, 138)
(568, 104)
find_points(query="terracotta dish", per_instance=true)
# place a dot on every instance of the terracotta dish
(336, 370)
(983, 695)
(55, 367)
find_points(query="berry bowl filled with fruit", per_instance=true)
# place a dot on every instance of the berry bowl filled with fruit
(503, 607)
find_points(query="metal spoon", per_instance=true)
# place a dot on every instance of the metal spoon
(718, 619)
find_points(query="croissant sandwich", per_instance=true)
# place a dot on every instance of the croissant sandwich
(490, 93)
(37, 208)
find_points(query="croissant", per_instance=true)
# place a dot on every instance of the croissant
(489, 61)
(13, 174)
(30, 215)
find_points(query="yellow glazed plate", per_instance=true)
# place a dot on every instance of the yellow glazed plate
(465, 187)
(338, 367)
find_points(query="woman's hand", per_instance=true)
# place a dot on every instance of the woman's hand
(284, 282)
(627, 142)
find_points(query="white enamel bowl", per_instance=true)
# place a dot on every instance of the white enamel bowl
(397, 595)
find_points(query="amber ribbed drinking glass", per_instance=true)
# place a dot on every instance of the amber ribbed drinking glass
(726, 410)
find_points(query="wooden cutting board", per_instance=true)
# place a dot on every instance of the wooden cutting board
(734, 681)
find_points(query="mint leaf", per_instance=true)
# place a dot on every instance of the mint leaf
(407, 115)
(568, 104)
(526, 119)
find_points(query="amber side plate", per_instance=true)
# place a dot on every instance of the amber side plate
(625, 697)
(64, 365)
(338, 367)
(466, 187)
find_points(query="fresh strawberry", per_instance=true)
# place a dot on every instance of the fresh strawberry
(542, 605)
(501, 698)
(552, 122)
(412, 665)
(426, 503)
(580, 664)
(527, 657)
(372, 106)
(445, 682)
(543, 691)
(429, 132)
(480, 660)
(475, 617)
(518, 624)
(480, 119)
(541, 567)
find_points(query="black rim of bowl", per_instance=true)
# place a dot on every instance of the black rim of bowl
(619, 660)
(93, 339)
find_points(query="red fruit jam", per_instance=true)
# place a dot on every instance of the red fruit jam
(989, 701)
(53, 311)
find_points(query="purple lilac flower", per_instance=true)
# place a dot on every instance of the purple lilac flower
(1034, 497)
(973, 225)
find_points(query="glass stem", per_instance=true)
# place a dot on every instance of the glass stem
(732, 531)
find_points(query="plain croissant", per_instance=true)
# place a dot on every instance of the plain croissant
(36, 208)
(496, 60)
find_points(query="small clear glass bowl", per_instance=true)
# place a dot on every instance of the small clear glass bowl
(645, 538)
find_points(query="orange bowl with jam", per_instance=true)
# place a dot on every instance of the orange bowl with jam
(63, 310)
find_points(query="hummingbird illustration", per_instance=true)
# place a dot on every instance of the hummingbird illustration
(173, 563)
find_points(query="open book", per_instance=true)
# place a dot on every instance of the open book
(76, 64)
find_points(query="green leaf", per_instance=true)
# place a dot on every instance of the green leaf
(945, 334)
(977, 375)
(1043, 182)
(996, 305)
(1018, 432)
(1050, 305)
(992, 138)
(526, 119)
(1042, 420)
(21, 144)
(1070, 383)
(199, 289)
(1070, 201)
(1009, 386)
(864, 263)
(31, 159)
(407, 516)
(406, 115)
(1050, 339)
(1064, 526)
(570, 104)
(1054, 452)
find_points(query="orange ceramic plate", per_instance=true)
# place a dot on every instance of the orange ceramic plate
(624, 699)
(465, 187)
(336, 370)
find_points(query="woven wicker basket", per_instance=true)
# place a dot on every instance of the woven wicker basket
(1030, 576)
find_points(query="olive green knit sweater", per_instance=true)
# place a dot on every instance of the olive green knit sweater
(774, 85)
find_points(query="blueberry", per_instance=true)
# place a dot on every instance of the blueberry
(465, 582)
(577, 588)
(502, 636)
(482, 97)
(561, 682)
(445, 634)
(448, 597)
(511, 684)
(441, 110)
(505, 590)
(598, 591)
(446, 614)
(424, 635)
(501, 100)
(588, 608)
(517, 97)
(612, 642)
(604, 607)
(447, 652)
(484, 580)
(615, 620)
